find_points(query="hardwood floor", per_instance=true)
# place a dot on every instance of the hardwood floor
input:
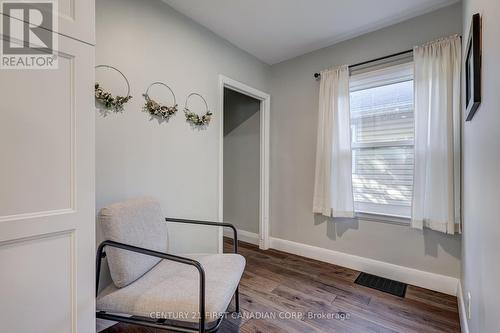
(281, 292)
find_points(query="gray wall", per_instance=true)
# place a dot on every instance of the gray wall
(237, 109)
(481, 181)
(241, 160)
(293, 146)
(150, 42)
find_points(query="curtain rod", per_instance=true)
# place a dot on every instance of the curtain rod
(318, 75)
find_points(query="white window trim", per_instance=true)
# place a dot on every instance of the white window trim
(384, 218)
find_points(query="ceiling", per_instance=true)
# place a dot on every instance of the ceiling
(277, 30)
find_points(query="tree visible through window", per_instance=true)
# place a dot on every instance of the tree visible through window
(382, 131)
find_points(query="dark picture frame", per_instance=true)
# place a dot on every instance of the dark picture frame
(473, 68)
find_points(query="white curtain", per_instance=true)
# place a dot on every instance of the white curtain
(333, 178)
(436, 189)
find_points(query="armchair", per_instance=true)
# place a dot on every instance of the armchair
(188, 293)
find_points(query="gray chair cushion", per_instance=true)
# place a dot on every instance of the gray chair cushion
(138, 222)
(171, 290)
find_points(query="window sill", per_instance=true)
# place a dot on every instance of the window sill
(391, 219)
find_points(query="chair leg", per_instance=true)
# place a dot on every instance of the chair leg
(237, 300)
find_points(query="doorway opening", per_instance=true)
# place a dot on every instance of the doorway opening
(244, 162)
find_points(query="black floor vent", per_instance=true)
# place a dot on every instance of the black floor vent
(376, 282)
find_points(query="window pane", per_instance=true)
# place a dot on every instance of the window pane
(382, 180)
(382, 125)
(382, 114)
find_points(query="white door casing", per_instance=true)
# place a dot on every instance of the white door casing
(265, 106)
(47, 195)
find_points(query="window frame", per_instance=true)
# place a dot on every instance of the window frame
(386, 218)
(366, 79)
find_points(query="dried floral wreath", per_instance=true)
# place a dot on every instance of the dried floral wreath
(110, 102)
(106, 99)
(194, 118)
(155, 109)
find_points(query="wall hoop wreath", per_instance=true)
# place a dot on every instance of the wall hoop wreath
(155, 109)
(195, 119)
(106, 99)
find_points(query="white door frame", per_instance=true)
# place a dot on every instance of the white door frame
(265, 102)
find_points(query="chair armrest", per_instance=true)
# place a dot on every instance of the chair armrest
(182, 260)
(214, 224)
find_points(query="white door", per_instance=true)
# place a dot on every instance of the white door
(75, 18)
(47, 195)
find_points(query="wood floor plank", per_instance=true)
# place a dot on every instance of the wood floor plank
(255, 281)
(338, 272)
(312, 288)
(431, 321)
(319, 269)
(281, 292)
(300, 298)
(388, 320)
(432, 298)
(253, 299)
(126, 328)
(229, 326)
(335, 318)
(261, 326)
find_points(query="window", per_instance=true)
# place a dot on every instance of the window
(382, 131)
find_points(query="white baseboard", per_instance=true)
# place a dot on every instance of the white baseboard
(464, 324)
(432, 281)
(245, 236)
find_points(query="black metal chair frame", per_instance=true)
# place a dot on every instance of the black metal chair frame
(161, 323)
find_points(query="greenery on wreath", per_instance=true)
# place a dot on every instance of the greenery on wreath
(196, 120)
(110, 102)
(157, 110)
